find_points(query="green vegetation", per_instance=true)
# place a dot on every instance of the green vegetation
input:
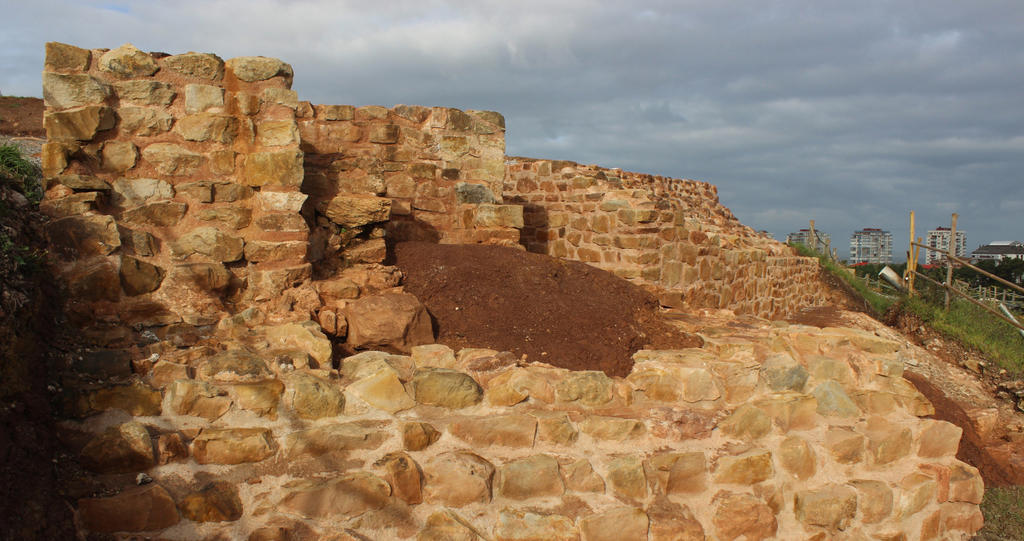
(1003, 509)
(879, 303)
(970, 325)
(26, 260)
(14, 167)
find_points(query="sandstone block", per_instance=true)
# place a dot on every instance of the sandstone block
(350, 210)
(418, 436)
(197, 398)
(747, 423)
(797, 457)
(475, 194)
(369, 363)
(405, 477)
(94, 279)
(833, 400)
(938, 439)
(382, 390)
(743, 516)
(831, 507)
(332, 438)
(887, 442)
(83, 182)
(233, 218)
(259, 68)
(172, 160)
(626, 478)
(488, 215)
(673, 522)
(145, 92)
(620, 524)
(874, 498)
(128, 62)
(53, 158)
(118, 156)
(790, 410)
(514, 430)
(280, 96)
(78, 123)
(204, 276)
(200, 98)
(783, 373)
(210, 242)
(433, 355)
(313, 397)
(965, 484)
(746, 469)
(677, 473)
(77, 237)
(590, 387)
(63, 91)
(518, 525)
(216, 502)
(388, 319)
(207, 127)
(265, 250)
(137, 509)
(530, 477)
(259, 398)
(160, 213)
(282, 223)
(290, 202)
(457, 479)
(579, 476)
(963, 517)
(306, 336)
(335, 112)
(277, 133)
(234, 366)
(612, 428)
(347, 496)
(447, 388)
(556, 429)
(139, 191)
(61, 56)
(170, 448)
(198, 65)
(279, 168)
(917, 490)
(232, 445)
(135, 399)
(266, 284)
(139, 277)
(120, 449)
(164, 373)
(447, 526)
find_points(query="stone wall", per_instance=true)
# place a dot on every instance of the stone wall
(173, 182)
(769, 431)
(667, 234)
(441, 169)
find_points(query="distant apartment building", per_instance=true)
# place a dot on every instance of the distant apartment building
(938, 241)
(804, 237)
(1000, 249)
(870, 245)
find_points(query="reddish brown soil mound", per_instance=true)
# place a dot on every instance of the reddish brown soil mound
(565, 313)
(21, 116)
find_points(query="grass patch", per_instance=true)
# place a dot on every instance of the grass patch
(878, 303)
(1003, 509)
(14, 166)
(972, 326)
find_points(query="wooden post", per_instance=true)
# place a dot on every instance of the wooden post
(950, 254)
(814, 238)
(911, 266)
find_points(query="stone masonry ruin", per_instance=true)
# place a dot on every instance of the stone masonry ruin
(223, 246)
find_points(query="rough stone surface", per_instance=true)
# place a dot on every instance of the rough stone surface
(171, 159)
(79, 123)
(232, 445)
(743, 516)
(531, 477)
(281, 168)
(514, 430)
(73, 90)
(216, 502)
(122, 448)
(198, 65)
(313, 397)
(258, 68)
(457, 479)
(347, 496)
(447, 388)
(356, 210)
(621, 524)
(143, 508)
(127, 61)
(832, 507)
(397, 320)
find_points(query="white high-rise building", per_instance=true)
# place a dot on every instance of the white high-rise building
(871, 245)
(939, 240)
(804, 237)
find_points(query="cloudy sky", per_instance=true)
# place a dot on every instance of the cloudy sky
(849, 113)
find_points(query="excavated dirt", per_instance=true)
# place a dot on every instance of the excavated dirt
(564, 313)
(21, 116)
